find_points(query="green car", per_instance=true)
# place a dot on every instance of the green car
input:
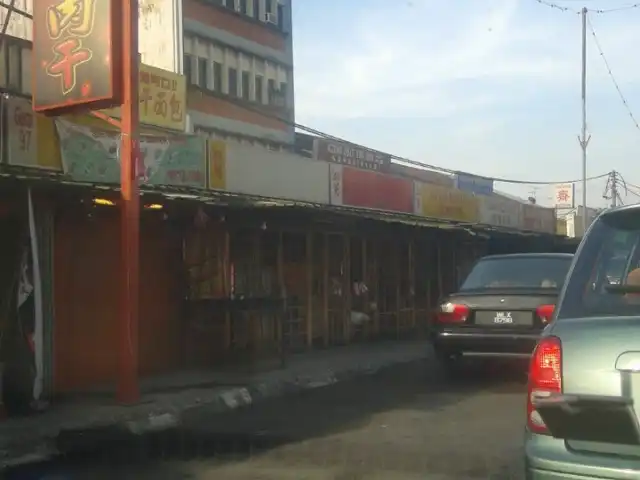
(583, 402)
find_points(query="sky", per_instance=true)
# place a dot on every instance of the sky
(491, 87)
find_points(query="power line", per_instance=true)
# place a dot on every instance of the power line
(448, 171)
(555, 6)
(564, 8)
(616, 9)
(613, 78)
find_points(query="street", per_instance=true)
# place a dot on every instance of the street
(406, 422)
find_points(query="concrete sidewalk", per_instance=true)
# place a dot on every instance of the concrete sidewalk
(36, 438)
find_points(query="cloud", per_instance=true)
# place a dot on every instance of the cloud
(433, 59)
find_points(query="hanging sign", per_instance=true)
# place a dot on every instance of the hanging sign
(22, 136)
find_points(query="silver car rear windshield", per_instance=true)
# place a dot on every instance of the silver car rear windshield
(605, 279)
(518, 272)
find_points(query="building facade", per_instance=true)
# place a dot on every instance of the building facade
(238, 59)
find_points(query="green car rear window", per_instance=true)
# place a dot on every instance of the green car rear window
(608, 257)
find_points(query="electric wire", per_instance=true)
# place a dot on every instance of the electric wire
(611, 75)
(564, 8)
(408, 161)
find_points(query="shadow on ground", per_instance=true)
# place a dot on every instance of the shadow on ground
(248, 432)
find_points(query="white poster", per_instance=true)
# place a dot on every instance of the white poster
(335, 184)
(22, 133)
(160, 34)
(30, 286)
(563, 195)
(38, 333)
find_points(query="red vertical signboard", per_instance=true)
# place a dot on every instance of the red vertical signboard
(368, 189)
(75, 51)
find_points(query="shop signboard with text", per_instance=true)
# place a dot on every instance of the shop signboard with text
(360, 188)
(76, 46)
(538, 219)
(27, 140)
(564, 195)
(500, 211)
(92, 155)
(163, 99)
(445, 203)
(350, 155)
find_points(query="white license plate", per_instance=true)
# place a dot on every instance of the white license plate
(502, 318)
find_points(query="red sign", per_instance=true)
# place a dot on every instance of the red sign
(362, 188)
(75, 55)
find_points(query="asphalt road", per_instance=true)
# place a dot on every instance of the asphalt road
(404, 423)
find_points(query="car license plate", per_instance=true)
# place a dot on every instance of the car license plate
(503, 318)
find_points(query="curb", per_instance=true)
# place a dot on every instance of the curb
(171, 417)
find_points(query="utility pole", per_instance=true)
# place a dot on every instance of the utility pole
(614, 189)
(584, 140)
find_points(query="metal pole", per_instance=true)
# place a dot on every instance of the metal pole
(128, 389)
(584, 141)
(614, 189)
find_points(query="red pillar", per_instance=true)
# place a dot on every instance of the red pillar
(128, 390)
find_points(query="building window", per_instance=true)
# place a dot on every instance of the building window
(259, 87)
(217, 76)
(188, 71)
(283, 89)
(203, 70)
(233, 82)
(245, 85)
(280, 19)
(271, 90)
(256, 9)
(14, 59)
(269, 6)
(244, 8)
(231, 4)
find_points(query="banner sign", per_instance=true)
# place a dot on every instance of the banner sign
(92, 155)
(436, 201)
(474, 184)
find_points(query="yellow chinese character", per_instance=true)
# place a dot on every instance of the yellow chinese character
(76, 16)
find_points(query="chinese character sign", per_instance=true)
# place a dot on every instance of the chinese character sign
(563, 195)
(75, 53)
(162, 97)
